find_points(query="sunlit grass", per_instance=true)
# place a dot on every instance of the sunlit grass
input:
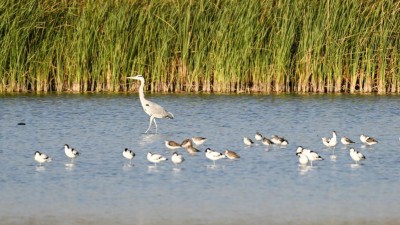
(200, 46)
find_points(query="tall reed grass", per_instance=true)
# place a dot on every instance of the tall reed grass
(209, 46)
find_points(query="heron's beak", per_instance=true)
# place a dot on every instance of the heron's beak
(130, 77)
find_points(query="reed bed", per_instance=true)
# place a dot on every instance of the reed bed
(225, 46)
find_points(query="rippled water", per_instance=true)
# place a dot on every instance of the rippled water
(266, 186)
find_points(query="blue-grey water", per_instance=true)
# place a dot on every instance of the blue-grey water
(265, 186)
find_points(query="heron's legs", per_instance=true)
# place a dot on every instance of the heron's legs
(151, 120)
(155, 124)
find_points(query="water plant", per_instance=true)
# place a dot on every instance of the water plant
(200, 46)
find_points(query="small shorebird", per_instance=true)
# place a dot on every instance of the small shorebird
(303, 159)
(325, 141)
(346, 141)
(172, 145)
(128, 154)
(330, 142)
(311, 155)
(199, 140)
(155, 158)
(247, 141)
(279, 140)
(356, 156)
(266, 141)
(213, 155)
(231, 154)
(258, 136)
(186, 143)
(70, 152)
(368, 140)
(192, 150)
(177, 158)
(41, 158)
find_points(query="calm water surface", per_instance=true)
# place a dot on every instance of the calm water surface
(266, 186)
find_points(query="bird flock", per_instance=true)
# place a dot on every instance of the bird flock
(155, 158)
(305, 156)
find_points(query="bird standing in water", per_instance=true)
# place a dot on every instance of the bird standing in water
(152, 109)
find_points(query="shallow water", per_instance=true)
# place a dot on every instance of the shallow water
(265, 186)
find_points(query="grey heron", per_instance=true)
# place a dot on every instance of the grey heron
(152, 109)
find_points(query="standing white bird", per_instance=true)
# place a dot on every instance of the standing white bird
(346, 141)
(41, 158)
(368, 140)
(311, 155)
(155, 158)
(177, 158)
(330, 142)
(356, 156)
(128, 154)
(70, 152)
(303, 159)
(247, 141)
(213, 155)
(152, 109)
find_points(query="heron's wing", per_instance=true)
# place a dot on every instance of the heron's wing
(154, 109)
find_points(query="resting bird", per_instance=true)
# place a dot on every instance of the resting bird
(70, 152)
(213, 155)
(128, 154)
(177, 158)
(41, 158)
(155, 158)
(152, 109)
(356, 155)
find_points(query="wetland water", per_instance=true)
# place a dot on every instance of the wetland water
(266, 186)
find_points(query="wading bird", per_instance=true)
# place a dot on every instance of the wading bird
(311, 155)
(231, 154)
(368, 140)
(128, 154)
(177, 158)
(70, 152)
(346, 141)
(155, 158)
(41, 158)
(330, 142)
(213, 155)
(152, 109)
(356, 155)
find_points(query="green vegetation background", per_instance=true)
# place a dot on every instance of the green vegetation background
(191, 46)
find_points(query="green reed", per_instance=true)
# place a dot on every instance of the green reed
(209, 46)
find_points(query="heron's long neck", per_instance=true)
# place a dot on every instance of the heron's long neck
(141, 91)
